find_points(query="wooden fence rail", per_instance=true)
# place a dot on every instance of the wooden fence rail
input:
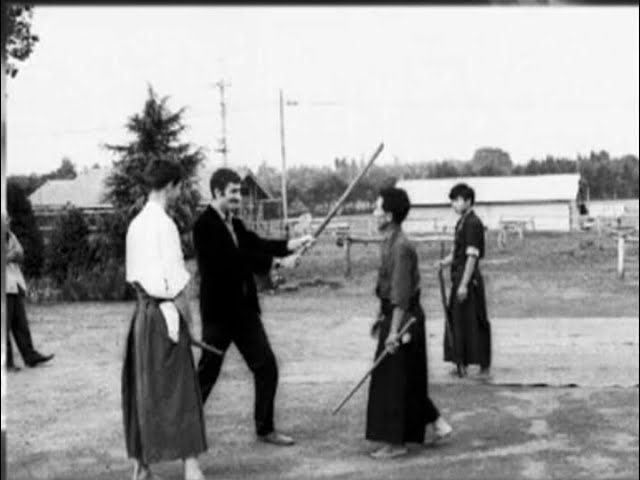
(623, 241)
(346, 240)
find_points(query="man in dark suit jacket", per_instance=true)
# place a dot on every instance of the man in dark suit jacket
(228, 256)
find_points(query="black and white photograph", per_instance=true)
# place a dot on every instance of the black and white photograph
(320, 242)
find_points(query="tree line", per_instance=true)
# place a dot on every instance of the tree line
(315, 188)
(74, 258)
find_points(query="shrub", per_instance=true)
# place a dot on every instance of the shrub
(68, 247)
(102, 282)
(109, 241)
(43, 289)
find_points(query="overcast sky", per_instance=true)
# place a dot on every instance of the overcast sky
(431, 82)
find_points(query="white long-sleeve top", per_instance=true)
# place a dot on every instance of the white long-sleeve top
(154, 256)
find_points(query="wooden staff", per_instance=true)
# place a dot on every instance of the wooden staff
(447, 315)
(382, 356)
(205, 346)
(343, 198)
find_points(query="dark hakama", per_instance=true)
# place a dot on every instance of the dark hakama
(163, 418)
(399, 406)
(470, 322)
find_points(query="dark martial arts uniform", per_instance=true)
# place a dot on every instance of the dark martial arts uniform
(228, 257)
(399, 406)
(471, 328)
(161, 404)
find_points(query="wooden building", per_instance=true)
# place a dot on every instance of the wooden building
(541, 202)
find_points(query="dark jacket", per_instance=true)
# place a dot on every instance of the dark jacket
(227, 285)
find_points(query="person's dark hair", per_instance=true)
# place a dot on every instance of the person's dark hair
(221, 178)
(464, 191)
(160, 173)
(396, 202)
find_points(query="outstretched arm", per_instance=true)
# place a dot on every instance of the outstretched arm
(251, 241)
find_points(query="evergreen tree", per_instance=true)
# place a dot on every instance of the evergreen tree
(156, 134)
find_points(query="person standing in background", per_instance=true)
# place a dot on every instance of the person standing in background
(17, 322)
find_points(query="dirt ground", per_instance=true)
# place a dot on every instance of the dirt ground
(562, 401)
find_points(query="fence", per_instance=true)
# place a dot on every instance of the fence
(624, 239)
(346, 240)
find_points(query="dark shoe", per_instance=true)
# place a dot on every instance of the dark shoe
(38, 359)
(277, 438)
(13, 368)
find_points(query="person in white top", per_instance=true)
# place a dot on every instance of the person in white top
(161, 400)
(17, 323)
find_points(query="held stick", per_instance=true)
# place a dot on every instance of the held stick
(382, 356)
(344, 197)
(447, 317)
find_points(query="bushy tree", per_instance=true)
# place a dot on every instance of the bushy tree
(18, 41)
(490, 161)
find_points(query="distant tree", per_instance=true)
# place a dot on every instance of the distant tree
(445, 169)
(629, 176)
(17, 39)
(25, 227)
(156, 134)
(66, 170)
(549, 165)
(28, 183)
(489, 161)
(325, 191)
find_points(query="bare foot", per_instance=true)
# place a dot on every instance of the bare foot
(192, 470)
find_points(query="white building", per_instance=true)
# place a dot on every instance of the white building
(545, 202)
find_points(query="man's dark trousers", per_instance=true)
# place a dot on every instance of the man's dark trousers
(249, 337)
(18, 325)
(229, 304)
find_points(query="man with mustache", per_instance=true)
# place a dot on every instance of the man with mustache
(228, 256)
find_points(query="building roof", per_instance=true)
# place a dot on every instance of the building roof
(87, 189)
(507, 189)
(84, 191)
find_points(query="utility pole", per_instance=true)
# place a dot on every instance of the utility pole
(3, 255)
(284, 164)
(223, 117)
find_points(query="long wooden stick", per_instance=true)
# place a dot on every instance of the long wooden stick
(447, 316)
(344, 196)
(379, 360)
(206, 347)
